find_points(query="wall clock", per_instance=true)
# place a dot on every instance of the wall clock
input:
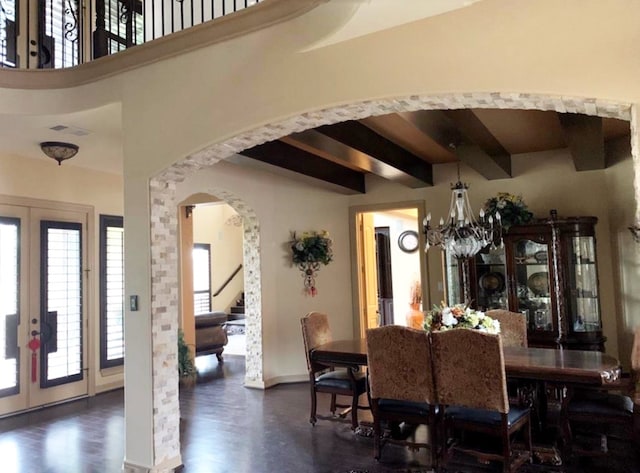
(408, 241)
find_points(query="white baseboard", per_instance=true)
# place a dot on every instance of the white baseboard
(294, 378)
(166, 466)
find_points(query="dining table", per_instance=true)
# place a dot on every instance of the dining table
(555, 365)
(557, 369)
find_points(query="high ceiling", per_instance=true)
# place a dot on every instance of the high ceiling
(404, 147)
(401, 147)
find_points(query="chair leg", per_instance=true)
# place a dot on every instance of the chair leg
(527, 439)
(354, 411)
(377, 434)
(314, 405)
(333, 404)
(433, 440)
(506, 446)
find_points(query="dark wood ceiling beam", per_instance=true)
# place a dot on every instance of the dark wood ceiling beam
(585, 139)
(294, 159)
(490, 167)
(337, 152)
(436, 125)
(386, 158)
(485, 146)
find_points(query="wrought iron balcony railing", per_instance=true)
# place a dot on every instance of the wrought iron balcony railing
(64, 33)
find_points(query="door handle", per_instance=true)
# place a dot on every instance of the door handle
(47, 333)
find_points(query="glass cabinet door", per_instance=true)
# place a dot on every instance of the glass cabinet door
(583, 281)
(491, 280)
(453, 279)
(532, 284)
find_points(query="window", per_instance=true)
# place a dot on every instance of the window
(111, 291)
(201, 278)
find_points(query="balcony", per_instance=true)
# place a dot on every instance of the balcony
(55, 34)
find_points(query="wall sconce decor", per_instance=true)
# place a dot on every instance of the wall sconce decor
(310, 250)
(58, 150)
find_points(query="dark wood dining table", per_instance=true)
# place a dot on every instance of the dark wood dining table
(562, 368)
(570, 367)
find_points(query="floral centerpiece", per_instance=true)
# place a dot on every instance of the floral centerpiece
(443, 317)
(513, 210)
(308, 251)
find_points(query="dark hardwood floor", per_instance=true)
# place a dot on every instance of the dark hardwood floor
(225, 428)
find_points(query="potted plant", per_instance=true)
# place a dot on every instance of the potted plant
(186, 369)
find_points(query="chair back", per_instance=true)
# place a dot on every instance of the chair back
(468, 368)
(315, 331)
(399, 363)
(513, 327)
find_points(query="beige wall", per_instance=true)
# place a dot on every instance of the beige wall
(44, 179)
(209, 226)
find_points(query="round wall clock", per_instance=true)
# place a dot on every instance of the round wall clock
(408, 241)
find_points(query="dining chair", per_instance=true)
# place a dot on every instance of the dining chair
(611, 411)
(401, 387)
(469, 374)
(513, 331)
(513, 327)
(335, 380)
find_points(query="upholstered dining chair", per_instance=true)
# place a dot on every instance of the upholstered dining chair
(513, 331)
(334, 380)
(513, 327)
(401, 387)
(469, 374)
(613, 409)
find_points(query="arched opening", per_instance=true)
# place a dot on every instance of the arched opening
(163, 206)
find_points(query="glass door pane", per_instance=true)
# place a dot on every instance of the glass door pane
(532, 284)
(583, 279)
(491, 279)
(61, 319)
(9, 304)
(452, 278)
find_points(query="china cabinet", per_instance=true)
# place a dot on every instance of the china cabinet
(547, 270)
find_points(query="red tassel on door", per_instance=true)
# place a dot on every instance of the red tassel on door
(34, 367)
(33, 345)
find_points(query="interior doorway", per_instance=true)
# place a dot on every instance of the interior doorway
(390, 273)
(213, 273)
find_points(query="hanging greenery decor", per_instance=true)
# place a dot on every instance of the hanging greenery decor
(513, 210)
(309, 251)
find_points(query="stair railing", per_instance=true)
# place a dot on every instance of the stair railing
(64, 33)
(228, 280)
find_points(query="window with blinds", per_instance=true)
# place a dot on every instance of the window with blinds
(201, 278)
(59, 30)
(8, 33)
(111, 291)
(124, 24)
(61, 313)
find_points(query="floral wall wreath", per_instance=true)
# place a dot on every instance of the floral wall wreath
(310, 250)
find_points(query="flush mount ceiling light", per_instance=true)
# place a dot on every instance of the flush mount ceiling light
(58, 150)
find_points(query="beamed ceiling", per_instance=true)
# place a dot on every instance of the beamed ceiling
(404, 147)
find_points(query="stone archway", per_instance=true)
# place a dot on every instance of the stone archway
(164, 258)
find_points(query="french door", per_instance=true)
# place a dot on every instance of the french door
(43, 256)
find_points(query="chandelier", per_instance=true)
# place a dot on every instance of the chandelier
(462, 236)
